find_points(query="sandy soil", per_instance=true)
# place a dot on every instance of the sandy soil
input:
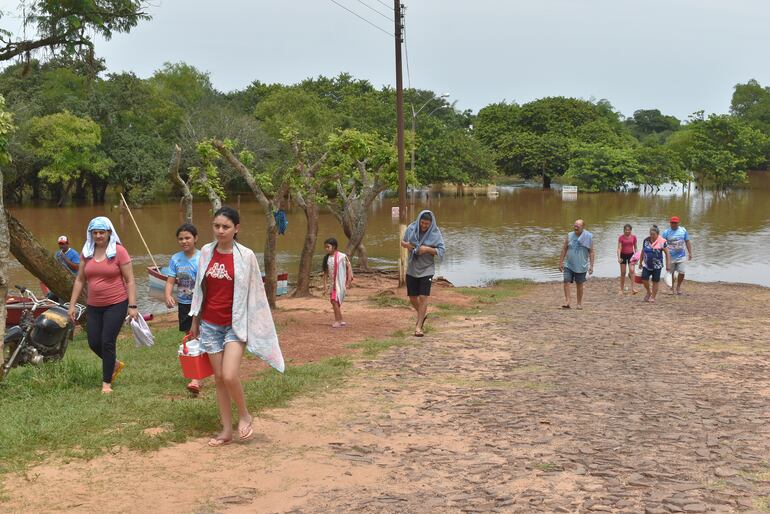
(621, 407)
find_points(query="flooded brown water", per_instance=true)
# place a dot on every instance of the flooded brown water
(516, 235)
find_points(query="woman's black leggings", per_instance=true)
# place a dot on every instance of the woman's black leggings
(103, 328)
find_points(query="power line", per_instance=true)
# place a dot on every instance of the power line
(375, 10)
(362, 18)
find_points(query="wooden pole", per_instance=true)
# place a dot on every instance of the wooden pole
(140, 232)
(402, 214)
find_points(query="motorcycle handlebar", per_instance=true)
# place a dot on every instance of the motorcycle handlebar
(21, 289)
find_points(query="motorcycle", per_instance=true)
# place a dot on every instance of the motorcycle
(38, 339)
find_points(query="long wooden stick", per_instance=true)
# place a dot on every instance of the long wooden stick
(140, 233)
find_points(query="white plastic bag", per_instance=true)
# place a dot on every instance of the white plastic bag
(142, 334)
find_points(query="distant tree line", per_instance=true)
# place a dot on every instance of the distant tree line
(591, 145)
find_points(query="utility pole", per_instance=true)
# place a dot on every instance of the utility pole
(398, 16)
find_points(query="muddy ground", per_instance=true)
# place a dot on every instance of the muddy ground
(621, 407)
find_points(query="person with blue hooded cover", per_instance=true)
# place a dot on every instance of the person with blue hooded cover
(424, 242)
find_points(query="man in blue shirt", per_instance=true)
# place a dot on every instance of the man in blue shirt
(678, 241)
(66, 256)
(578, 248)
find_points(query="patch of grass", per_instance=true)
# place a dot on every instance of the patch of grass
(451, 310)
(547, 466)
(716, 485)
(385, 301)
(371, 348)
(496, 291)
(57, 409)
(762, 504)
(761, 475)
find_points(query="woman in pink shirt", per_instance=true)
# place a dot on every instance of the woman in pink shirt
(626, 250)
(106, 267)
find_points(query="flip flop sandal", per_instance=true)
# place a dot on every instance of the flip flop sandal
(418, 333)
(194, 389)
(117, 371)
(248, 434)
(566, 307)
(337, 325)
(344, 323)
(216, 442)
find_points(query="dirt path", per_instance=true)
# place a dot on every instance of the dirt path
(623, 407)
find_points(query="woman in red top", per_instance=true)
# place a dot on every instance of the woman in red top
(626, 250)
(213, 324)
(106, 267)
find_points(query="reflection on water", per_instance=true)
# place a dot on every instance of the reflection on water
(516, 235)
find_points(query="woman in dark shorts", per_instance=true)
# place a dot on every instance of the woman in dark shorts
(424, 242)
(626, 250)
(651, 263)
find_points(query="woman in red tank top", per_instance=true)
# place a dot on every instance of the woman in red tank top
(626, 250)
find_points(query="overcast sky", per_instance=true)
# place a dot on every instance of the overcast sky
(677, 55)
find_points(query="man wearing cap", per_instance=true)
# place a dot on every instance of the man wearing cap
(66, 256)
(678, 241)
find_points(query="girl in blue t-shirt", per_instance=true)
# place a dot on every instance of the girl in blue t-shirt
(182, 270)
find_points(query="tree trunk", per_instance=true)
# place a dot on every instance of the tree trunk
(271, 267)
(214, 199)
(65, 194)
(271, 229)
(546, 182)
(310, 209)
(187, 197)
(80, 189)
(39, 261)
(4, 258)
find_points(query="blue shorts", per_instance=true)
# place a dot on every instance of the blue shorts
(654, 273)
(215, 337)
(570, 276)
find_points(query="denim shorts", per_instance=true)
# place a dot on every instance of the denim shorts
(570, 276)
(215, 337)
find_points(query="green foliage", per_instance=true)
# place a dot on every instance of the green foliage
(651, 126)
(6, 129)
(69, 26)
(718, 150)
(533, 140)
(351, 148)
(658, 165)
(69, 145)
(57, 409)
(595, 167)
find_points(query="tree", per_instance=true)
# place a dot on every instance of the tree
(360, 166)
(70, 25)
(720, 149)
(531, 140)
(270, 187)
(651, 122)
(544, 155)
(596, 167)
(301, 122)
(6, 128)
(450, 154)
(68, 145)
(658, 165)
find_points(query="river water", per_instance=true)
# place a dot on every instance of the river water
(515, 235)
